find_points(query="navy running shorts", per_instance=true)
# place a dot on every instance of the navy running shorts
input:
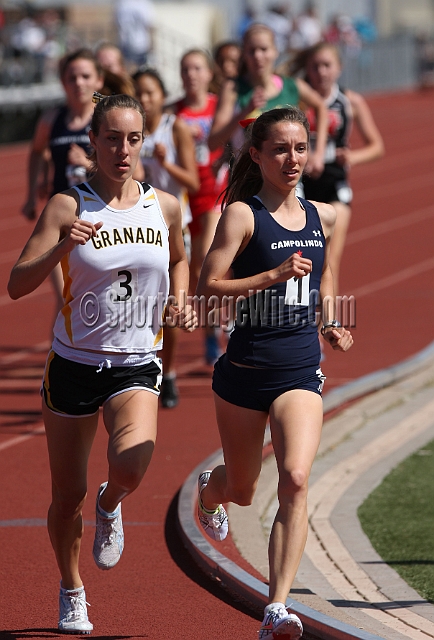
(258, 388)
(74, 389)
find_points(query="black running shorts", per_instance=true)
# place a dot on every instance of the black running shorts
(78, 389)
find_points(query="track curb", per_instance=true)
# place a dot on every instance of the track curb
(238, 581)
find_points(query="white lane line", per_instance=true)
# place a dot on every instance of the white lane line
(326, 549)
(381, 191)
(42, 522)
(395, 278)
(406, 220)
(40, 347)
(19, 439)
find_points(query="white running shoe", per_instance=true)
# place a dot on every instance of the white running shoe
(109, 536)
(279, 624)
(73, 612)
(215, 524)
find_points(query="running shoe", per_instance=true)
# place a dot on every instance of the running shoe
(279, 624)
(73, 612)
(169, 394)
(214, 523)
(109, 536)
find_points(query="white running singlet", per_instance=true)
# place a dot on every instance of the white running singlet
(157, 175)
(116, 285)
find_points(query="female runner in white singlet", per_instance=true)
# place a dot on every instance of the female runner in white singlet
(119, 243)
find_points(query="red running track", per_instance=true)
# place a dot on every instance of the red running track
(156, 591)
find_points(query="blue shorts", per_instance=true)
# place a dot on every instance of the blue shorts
(258, 388)
(74, 389)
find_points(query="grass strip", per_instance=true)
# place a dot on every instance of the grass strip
(398, 518)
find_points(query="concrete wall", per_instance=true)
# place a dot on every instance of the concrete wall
(396, 15)
(182, 26)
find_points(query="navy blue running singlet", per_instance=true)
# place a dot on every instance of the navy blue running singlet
(61, 139)
(277, 327)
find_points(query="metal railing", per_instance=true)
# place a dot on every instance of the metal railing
(383, 65)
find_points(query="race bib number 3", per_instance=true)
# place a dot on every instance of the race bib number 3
(124, 285)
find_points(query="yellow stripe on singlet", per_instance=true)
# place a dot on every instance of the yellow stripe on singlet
(67, 297)
(159, 335)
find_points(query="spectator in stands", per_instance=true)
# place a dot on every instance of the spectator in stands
(425, 60)
(310, 25)
(28, 39)
(246, 20)
(342, 32)
(135, 20)
(280, 23)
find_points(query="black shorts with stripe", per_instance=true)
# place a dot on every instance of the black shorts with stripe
(75, 389)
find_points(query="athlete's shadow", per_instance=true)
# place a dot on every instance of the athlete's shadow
(185, 562)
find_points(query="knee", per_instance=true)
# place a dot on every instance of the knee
(68, 503)
(293, 485)
(128, 468)
(127, 479)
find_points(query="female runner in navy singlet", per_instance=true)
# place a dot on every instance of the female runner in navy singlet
(276, 246)
(120, 246)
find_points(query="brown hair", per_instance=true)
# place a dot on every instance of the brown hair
(115, 84)
(108, 103)
(246, 178)
(255, 27)
(201, 52)
(151, 73)
(302, 57)
(79, 54)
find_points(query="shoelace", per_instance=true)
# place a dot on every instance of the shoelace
(106, 533)
(219, 517)
(275, 615)
(77, 607)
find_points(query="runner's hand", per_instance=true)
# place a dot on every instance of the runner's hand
(293, 267)
(339, 338)
(81, 232)
(185, 319)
